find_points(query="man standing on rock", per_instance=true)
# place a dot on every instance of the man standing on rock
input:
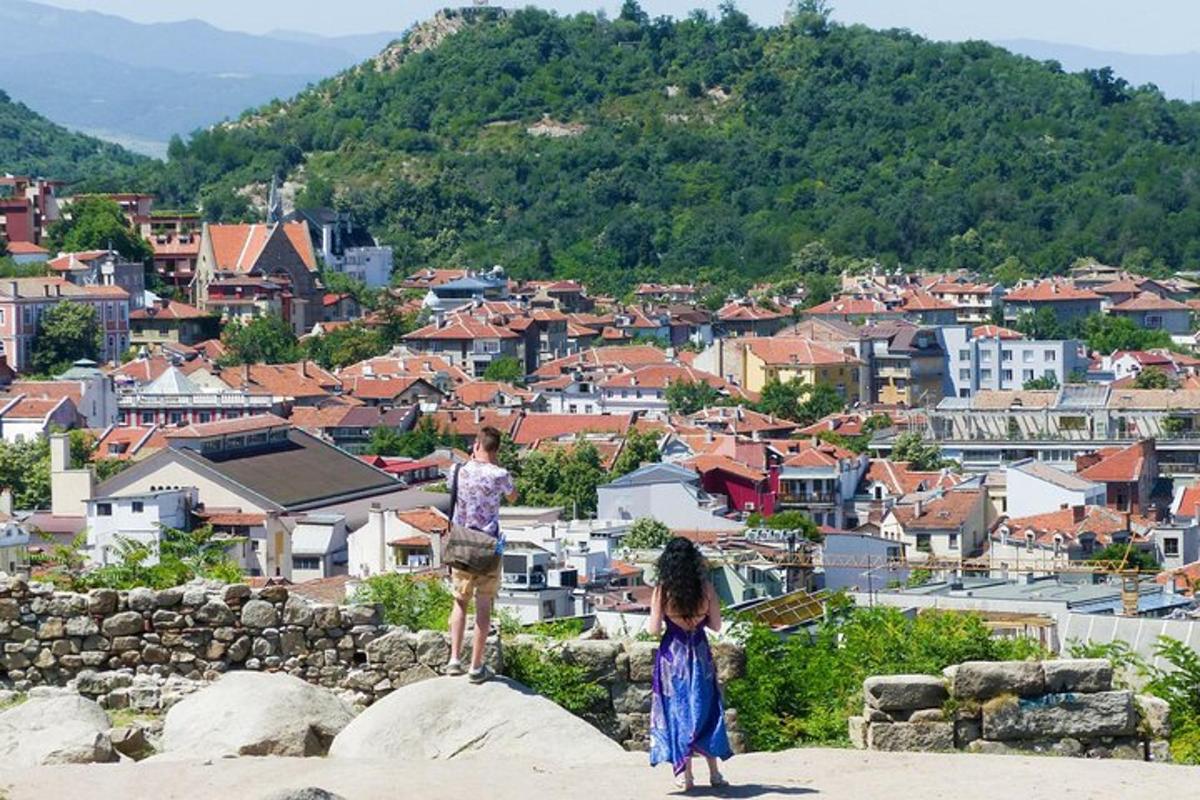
(478, 487)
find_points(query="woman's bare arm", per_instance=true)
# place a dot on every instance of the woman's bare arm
(656, 612)
(714, 609)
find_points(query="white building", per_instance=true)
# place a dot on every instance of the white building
(859, 562)
(668, 493)
(14, 537)
(977, 363)
(1037, 488)
(319, 548)
(392, 540)
(135, 518)
(371, 265)
(532, 587)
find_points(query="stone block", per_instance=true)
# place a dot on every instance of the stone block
(169, 598)
(239, 650)
(631, 698)
(858, 733)
(1059, 715)
(126, 623)
(641, 661)
(51, 628)
(235, 593)
(1065, 747)
(259, 614)
(967, 731)
(395, 650)
(432, 650)
(1124, 748)
(597, 657)
(102, 601)
(904, 692)
(326, 615)
(82, 626)
(730, 661)
(215, 613)
(1078, 675)
(910, 736)
(1159, 750)
(297, 611)
(141, 599)
(983, 680)
(273, 594)
(927, 715)
(362, 614)
(1154, 716)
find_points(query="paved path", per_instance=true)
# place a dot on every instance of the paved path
(811, 773)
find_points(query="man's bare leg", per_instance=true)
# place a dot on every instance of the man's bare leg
(483, 625)
(458, 626)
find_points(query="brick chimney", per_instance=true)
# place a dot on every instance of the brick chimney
(302, 368)
(1078, 513)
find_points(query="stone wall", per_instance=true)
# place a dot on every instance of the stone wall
(146, 649)
(1060, 707)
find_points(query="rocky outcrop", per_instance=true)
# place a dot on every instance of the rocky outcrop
(447, 718)
(55, 728)
(255, 714)
(1065, 707)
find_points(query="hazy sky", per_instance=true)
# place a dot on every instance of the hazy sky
(1145, 26)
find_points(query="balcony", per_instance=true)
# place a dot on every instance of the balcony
(807, 498)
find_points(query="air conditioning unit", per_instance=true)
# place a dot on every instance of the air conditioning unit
(750, 507)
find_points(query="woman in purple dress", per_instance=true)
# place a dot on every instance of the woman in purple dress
(687, 716)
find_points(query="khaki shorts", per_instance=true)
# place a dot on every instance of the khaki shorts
(467, 584)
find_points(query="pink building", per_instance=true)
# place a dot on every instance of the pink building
(23, 300)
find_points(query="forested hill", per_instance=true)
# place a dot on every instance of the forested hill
(33, 145)
(619, 150)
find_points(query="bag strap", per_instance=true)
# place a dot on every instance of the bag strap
(454, 489)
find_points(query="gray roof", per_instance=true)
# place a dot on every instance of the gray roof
(651, 474)
(1045, 472)
(1083, 395)
(173, 381)
(472, 282)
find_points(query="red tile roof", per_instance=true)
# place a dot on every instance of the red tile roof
(227, 427)
(303, 379)
(948, 512)
(26, 249)
(849, 307)
(237, 247)
(709, 463)
(921, 301)
(462, 327)
(538, 427)
(995, 332)
(468, 423)
(628, 357)
(1049, 291)
(172, 310)
(1148, 301)
(1119, 465)
(1070, 524)
(738, 311)
(659, 376)
(426, 520)
(783, 350)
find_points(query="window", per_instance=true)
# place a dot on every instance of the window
(964, 374)
(203, 416)
(1, 316)
(923, 542)
(1049, 373)
(176, 417)
(1051, 355)
(1027, 374)
(985, 356)
(985, 374)
(964, 355)
(1027, 356)
(953, 541)
(1171, 547)
(1006, 355)
(138, 507)
(306, 562)
(1006, 374)
(147, 417)
(104, 509)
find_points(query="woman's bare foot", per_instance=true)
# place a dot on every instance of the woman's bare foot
(685, 782)
(715, 778)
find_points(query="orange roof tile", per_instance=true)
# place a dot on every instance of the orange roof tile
(784, 350)
(1051, 290)
(948, 512)
(537, 427)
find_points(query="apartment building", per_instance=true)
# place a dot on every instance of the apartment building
(24, 300)
(978, 363)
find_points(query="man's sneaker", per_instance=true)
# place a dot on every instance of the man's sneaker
(481, 675)
(455, 667)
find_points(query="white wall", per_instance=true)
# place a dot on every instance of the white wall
(168, 509)
(872, 552)
(1029, 495)
(670, 503)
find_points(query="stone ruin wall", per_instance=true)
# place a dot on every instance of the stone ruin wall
(145, 649)
(1062, 707)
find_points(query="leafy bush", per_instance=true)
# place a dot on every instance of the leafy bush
(416, 603)
(802, 690)
(647, 534)
(182, 556)
(548, 675)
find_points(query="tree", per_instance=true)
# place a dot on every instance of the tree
(1154, 378)
(1047, 381)
(506, 369)
(417, 603)
(688, 397)
(794, 521)
(820, 400)
(921, 455)
(1107, 334)
(1041, 324)
(97, 223)
(779, 399)
(640, 447)
(263, 340)
(66, 333)
(647, 533)
(800, 402)
(1132, 557)
(422, 440)
(343, 346)
(565, 477)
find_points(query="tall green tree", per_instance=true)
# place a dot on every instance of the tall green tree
(921, 455)
(97, 223)
(1154, 378)
(506, 369)
(688, 397)
(66, 333)
(343, 346)
(565, 477)
(263, 340)
(640, 447)
(647, 533)
(1106, 334)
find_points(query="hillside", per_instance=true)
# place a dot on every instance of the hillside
(142, 83)
(32, 145)
(618, 150)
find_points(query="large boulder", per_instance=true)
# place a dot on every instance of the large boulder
(444, 718)
(904, 692)
(254, 714)
(1081, 716)
(1078, 675)
(915, 736)
(55, 729)
(983, 680)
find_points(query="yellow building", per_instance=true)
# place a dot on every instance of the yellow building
(794, 358)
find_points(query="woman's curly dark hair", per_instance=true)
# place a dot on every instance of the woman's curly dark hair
(682, 571)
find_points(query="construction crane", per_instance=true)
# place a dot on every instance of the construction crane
(812, 560)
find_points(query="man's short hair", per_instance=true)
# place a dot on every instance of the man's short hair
(489, 437)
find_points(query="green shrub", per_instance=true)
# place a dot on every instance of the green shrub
(548, 675)
(415, 603)
(803, 689)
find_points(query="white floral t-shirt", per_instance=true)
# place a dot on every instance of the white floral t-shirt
(481, 487)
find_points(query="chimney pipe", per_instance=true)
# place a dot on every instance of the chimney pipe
(918, 507)
(1078, 513)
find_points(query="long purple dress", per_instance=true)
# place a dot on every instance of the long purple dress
(687, 716)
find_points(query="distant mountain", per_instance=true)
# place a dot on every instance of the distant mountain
(360, 46)
(142, 83)
(1176, 75)
(32, 145)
